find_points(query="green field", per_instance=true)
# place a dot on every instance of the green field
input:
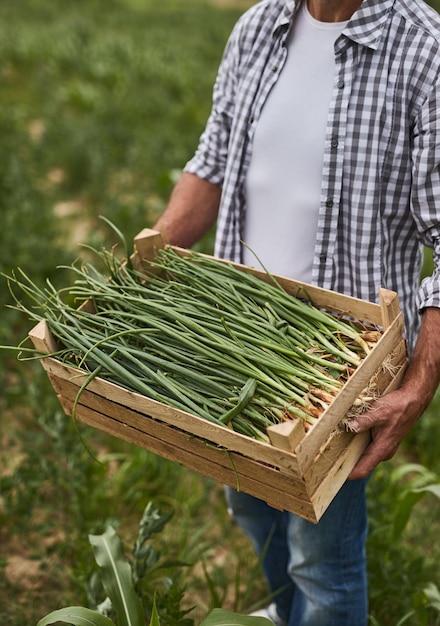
(101, 104)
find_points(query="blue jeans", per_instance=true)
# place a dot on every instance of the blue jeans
(317, 572)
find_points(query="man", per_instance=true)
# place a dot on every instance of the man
(322, 153)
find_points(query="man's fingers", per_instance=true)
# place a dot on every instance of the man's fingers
(367, 463)
(361, 423)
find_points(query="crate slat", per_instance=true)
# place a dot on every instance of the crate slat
(221, 465)
(192, 424)
(309, 446)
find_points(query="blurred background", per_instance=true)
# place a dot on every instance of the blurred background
(101, 104)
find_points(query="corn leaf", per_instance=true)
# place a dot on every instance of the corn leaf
(432, 594)
(222, 617)
(116, 578)
(154, 621)
(403, 511)
(432, 489)
(76, 615)
(407, 502)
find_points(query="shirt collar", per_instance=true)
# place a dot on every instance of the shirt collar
(365, 27)
(367, 23)
(289, 10)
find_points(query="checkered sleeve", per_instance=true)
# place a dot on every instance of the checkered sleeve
(426, 190)
(209, 160)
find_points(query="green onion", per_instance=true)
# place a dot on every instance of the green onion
(202, 336)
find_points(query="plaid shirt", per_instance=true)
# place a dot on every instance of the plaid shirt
(381, 171)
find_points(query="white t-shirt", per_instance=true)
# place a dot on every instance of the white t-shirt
(283, 184)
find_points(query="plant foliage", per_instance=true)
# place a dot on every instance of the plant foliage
(118, 582)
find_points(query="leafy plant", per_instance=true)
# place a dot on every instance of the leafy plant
(401, 578)
(421, 482)
(120, 580)
(422, 441)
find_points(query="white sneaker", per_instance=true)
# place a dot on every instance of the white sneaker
(270, 612)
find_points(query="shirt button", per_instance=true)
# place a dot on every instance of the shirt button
(329, 203)
(341, 84)
(275, 68)
(334, 142)
(323, 258)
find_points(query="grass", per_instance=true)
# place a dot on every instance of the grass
(101, 104)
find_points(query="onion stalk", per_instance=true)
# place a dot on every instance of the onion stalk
(202, 336)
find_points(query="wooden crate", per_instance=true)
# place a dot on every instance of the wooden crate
(299, 471)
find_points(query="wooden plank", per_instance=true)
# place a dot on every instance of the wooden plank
(228, 438)
(340, 440)
(232, 469)
(327, 457)
(344, 305)
(185, 421)
(321, 463)
(338, 473)
(326, 463)
(389, 306)
(329, 477)
(233, 473)
(319, 432)
(43, 339)
(393, 366)
(154, 426)
(305, 485)
(286, 435)
(146, 245)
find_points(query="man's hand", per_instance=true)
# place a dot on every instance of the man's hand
(391, 417)
(389, 420)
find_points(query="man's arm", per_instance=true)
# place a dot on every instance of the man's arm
(191, 211)
(392, 416)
